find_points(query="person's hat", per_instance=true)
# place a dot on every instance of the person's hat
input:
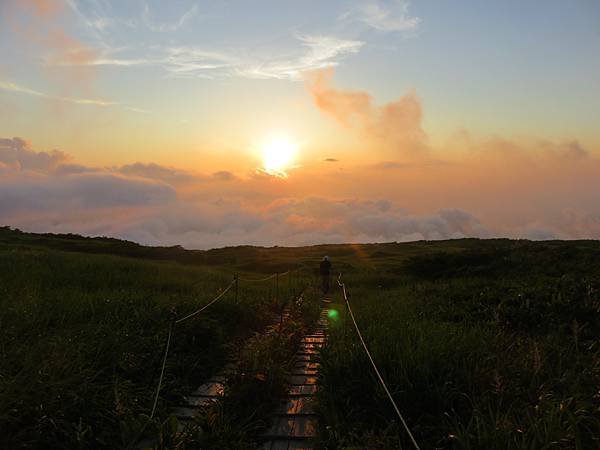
(325, 258)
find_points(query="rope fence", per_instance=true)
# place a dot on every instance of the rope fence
(258, 280)
(270, 277)
(218, 297)
(234, 283)
(381, 380)
(162, 370)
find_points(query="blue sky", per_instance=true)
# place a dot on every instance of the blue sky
(510, 67)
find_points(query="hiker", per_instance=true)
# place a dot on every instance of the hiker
(324, 270)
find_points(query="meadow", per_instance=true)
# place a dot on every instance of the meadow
(82, 337)
(485, 344)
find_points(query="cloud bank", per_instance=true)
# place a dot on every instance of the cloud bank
(157, 205)
(46, 191)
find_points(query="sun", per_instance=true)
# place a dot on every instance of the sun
(278, 154)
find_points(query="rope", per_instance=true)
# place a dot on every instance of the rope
(270, 277)
(387, 391)
(168, 345)
(207, 305)
(162, 370)
(257, 280)
(158, 388)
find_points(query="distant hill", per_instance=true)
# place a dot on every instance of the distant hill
(424, 256)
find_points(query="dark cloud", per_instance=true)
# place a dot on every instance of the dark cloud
(17, 153)
(68, 169)
(224, 175)
(158, 172)
(569, 150)
(392, 165)
(32, 195)
(388, 165)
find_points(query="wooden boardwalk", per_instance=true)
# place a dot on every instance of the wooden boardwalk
(213, 388)
(295, 423)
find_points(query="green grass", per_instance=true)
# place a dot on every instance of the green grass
(238, 419)
(82, 337)
(485, 344)
(493, 347)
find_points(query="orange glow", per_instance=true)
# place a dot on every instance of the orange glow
(278, 154)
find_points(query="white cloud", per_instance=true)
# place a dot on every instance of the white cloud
(168, 27)
(13, 87)
(321, 52)
(100, 17)
(384, 16)
(315, 52)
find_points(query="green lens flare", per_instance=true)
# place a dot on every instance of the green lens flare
(333, 314)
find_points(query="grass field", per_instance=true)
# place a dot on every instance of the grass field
(485, 344)
(490, 346)
(82, 337)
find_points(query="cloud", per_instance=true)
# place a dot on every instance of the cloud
(40, 23)
(310, 52)
(158, 172)
(78, 192)
(322, 51)
(17, 153)
(384, 16)
(224, 175)
(389, 165)
(315, 52)
(493, 193)
(168, 27)
(195, 62)
(395, 125)
(395, 165)
(13, 87)
(46, 191)
(567, 150)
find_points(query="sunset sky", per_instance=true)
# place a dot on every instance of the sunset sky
(296, 122)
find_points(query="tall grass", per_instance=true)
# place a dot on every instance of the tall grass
(82, 336)
(475, 359)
